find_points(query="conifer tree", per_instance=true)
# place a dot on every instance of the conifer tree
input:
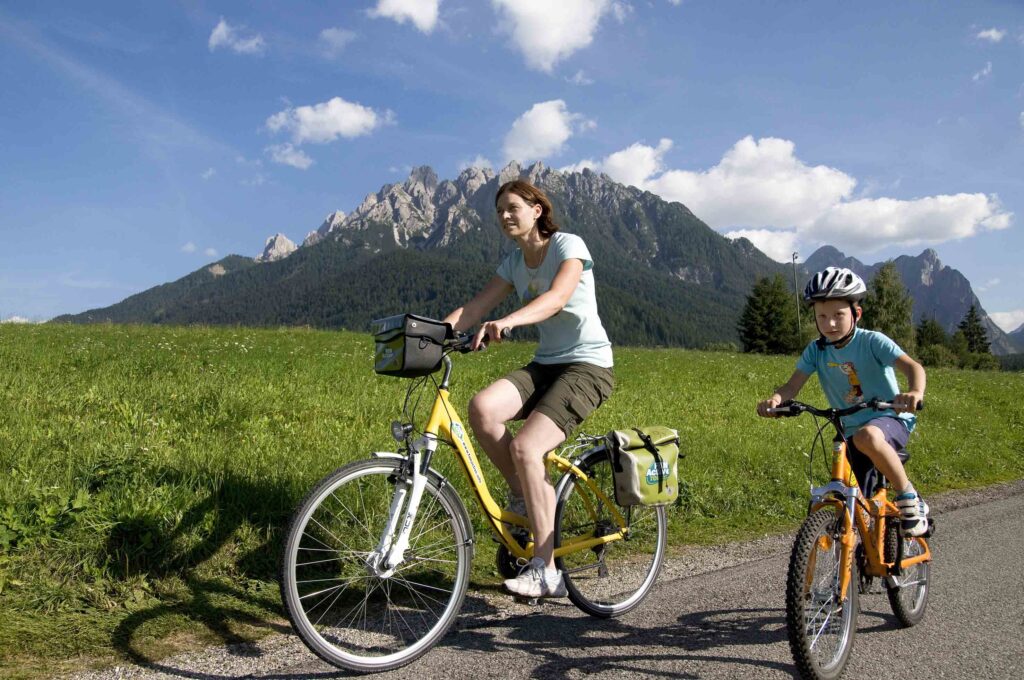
(888, 307)
(768, 322)
(930, 332)
(974, 332)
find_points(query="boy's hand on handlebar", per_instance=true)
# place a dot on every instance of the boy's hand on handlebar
(770, 403)
(907, 401)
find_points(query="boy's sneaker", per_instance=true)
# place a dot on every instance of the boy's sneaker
(536, 580)
(913, 513)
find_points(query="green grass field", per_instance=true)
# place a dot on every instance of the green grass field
(146, 473)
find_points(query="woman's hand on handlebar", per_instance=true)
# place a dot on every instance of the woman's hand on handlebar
(490, 331)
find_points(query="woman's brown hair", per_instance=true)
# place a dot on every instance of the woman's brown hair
(546, 224)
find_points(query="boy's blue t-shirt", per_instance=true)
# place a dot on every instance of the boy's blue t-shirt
(574, 334)
(861, 370)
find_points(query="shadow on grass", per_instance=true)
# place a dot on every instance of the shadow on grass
(221, 605)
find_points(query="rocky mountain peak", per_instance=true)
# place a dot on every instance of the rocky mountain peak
(277, 247)
(330, 223)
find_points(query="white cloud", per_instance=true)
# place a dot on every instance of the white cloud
(1008, 321)
(870, 224)
(762, 191)
(548, 32)
(15, 319)
(778, 245)
(287, 154)
(621, 11)
(235, 39)
(210, 252)
(632, 165)
(983, 74)
(334, 40)
(189, 247)
(580, 79)
(757, 184)
(988, 285)
(422, 13)
(208, 173)
(478, 162)
(542, 131)
(993, 35)
(325, 122)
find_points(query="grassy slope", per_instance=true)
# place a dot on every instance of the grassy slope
(146, 472)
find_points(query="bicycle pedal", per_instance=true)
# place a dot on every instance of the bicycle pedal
(530, 601)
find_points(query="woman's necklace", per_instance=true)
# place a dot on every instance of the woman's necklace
(533, 272)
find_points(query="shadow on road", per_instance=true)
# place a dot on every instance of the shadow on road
(574, 645)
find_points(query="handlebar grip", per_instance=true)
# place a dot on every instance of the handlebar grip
(506, 333)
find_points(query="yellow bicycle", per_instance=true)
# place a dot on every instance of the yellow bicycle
(377, 557)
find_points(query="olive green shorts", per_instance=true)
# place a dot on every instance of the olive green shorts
(565, 393)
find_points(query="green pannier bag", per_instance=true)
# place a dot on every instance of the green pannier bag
(644, 465)
(408, 346)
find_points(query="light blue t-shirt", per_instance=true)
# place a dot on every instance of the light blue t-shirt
(858, 372)
(574, 334)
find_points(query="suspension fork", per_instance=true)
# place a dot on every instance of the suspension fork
(394, 540)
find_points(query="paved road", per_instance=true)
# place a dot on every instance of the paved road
(717, 614)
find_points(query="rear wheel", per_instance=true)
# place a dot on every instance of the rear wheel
(821, 621)
(910, 597)
(345, 610)
(614, 577)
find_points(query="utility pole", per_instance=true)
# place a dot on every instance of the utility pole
(796, 292)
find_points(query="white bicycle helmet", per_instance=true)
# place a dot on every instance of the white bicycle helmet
(835, 283)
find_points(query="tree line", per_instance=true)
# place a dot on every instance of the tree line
(774, 322)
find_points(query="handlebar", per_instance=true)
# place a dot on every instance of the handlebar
(463, 341)
(794, 408)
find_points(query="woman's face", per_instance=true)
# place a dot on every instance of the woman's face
(516, 217)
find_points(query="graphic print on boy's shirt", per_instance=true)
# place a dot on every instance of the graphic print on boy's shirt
(856, 393)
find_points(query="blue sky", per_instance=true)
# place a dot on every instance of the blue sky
(139, 141)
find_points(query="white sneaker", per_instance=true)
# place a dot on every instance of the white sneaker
(913, 513)
(536, 580)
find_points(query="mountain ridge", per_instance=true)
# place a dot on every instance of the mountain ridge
(664, 277)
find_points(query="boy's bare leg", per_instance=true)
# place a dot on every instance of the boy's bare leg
(871, 442)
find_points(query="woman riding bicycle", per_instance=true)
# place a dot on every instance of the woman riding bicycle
(570, 375)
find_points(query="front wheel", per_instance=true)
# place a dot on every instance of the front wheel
(344, 610)
(821, 621)
(910, 597)
(612, 578)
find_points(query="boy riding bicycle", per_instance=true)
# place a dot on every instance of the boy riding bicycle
(856, 365)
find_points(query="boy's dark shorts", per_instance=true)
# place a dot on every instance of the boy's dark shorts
(893, 429)
(565, 393)
(896, 434)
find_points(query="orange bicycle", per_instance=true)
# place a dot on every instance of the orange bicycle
(850, 537)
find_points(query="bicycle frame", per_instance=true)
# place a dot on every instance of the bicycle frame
(864, 517)
(444, 424)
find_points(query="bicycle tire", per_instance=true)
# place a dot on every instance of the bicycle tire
(820, 632)
(615, 577)
(344, 612)
(909, 599)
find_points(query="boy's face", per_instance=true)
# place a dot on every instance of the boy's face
(834, 318)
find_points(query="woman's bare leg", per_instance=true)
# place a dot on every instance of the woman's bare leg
(538, 435)
(489, 410)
